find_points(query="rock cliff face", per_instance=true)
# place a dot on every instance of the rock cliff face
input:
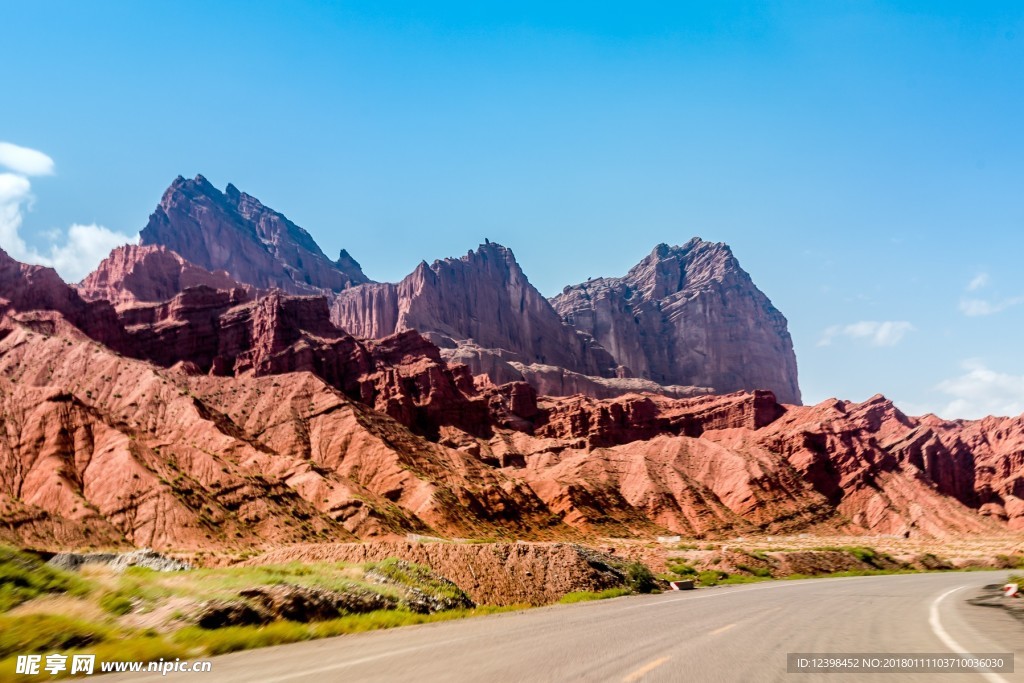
(688, 315)
(221, 333)
(33, 290)
(148, 274)
(233, 232)
(479, 308)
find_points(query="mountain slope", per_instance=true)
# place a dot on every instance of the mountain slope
(243, 423)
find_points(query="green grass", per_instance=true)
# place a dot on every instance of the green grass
(682, 569)
(416, 576)
(109, 596)
(235, 638)
(711, 577)
(139, 649)
(116, 603)
(24, 576)
(48, 633)
(586, 596)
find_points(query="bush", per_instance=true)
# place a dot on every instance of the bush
(116, 603)
(682, 569)
(24, 576)
(639, 578)
(1009, 562)
(866, 555)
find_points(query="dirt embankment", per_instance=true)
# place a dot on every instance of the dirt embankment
(491, 573)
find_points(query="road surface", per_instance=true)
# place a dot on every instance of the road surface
(734, 633)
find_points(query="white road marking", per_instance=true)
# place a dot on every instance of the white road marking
(721, 630)
(362, 660)
(936, 623)
(644, 670)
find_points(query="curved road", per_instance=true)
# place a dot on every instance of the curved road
(736, 633)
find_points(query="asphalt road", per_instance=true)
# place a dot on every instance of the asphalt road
(736, 633)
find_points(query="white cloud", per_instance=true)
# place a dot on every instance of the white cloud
(874, 332)
(976, 307)
(980, 281)
(85, 247)
(15, 195)
(25, 161)
(73, 254)
(980, 391)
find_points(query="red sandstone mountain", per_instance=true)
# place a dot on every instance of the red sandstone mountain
(686, 321)
(149, 274)
(482, 311)
(242, 423)
(233, 232)
(688, 315)
(27, 288)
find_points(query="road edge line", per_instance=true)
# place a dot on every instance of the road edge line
(936, 623)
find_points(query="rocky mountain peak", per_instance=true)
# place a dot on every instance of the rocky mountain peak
(688, 315)
(234, 232)
(481, 307)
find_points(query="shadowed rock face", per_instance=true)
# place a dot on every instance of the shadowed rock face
(233, 232)
(688, 315)
(481, 301)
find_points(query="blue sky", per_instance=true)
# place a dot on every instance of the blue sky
(864, 160)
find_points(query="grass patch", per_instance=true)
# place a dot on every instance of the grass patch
(235, 638)
(587, 596)
(742, 578)
(416, 576)
(24, 576)
(711, 577)
(682, 569)
(116, 603)
(48, 633)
